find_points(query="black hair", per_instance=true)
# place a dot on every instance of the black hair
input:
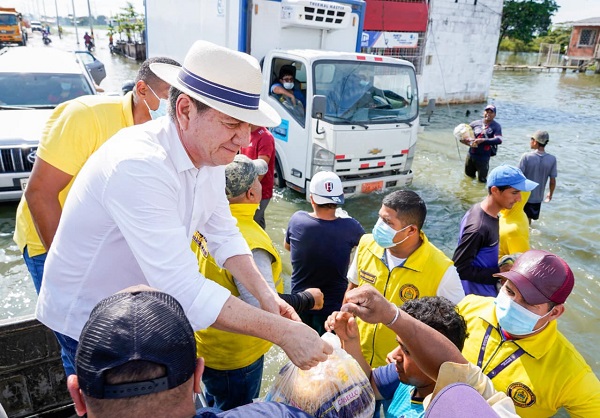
(174, 94)
(145, 73)
(440, 314)
(501, 188)
(326, 205)
(409, 205)
(287, 70)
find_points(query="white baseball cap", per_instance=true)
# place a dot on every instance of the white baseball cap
(326, 187)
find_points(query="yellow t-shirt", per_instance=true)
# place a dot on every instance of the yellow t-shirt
(75, 130)
(514, 229)
(550, 373)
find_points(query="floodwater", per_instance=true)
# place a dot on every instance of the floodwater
(564, 104)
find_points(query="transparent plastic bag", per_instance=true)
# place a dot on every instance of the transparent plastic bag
(464, 131)
(337, 387)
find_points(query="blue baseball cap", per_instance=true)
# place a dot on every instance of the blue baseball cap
(507, 175)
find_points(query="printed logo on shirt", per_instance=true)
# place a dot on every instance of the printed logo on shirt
(366, 276)
(409, 292)
(200, 241)
(521, 395)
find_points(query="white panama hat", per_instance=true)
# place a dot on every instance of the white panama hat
(226, 80)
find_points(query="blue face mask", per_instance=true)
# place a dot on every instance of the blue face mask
(383, 234)
(364, 83)
(513, 318)
(161, 110)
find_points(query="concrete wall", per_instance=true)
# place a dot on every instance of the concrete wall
(460, 50)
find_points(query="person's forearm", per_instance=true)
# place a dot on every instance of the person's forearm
(427, 346)
(552, 186)
(301, 343)
(352, 347)
(45, 212)
(301, 302)
(243, 268)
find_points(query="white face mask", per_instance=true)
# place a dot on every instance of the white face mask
(383, 234)
(514, 318)
(288, 86)
(161, 110)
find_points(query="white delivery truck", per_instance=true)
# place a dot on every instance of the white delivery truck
(359, 115)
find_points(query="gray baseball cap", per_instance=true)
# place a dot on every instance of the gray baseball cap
(241, 173)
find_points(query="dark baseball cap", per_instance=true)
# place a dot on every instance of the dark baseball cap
(541, 277)
(491, 107)
(139, 323)
(507, 175)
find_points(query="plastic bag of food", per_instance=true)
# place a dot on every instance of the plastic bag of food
(464, 131)
(337, 387)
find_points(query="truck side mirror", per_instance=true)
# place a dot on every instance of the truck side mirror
(319, 105)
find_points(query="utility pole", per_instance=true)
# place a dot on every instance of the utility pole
(45, 15)
(75, 22)
(90, 19)
(57, 21)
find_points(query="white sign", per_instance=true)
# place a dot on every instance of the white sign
(373, 39)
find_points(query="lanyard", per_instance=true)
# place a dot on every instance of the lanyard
(505, 363)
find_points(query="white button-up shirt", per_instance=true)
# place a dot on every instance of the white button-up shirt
(129, 219)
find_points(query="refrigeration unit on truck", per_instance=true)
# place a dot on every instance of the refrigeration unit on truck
(360, 117)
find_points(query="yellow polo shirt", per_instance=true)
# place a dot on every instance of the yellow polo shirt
(75, 130)
(550, 374)
(419, 276)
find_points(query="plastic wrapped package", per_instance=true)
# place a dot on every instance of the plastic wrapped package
(337, 387)
(464, 131)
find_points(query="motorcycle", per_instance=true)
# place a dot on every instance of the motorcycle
(89, 45)
(45, 38)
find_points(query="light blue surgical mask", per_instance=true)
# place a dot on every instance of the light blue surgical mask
(161, 110)
(383, 234)
(364, 83)
(514, 318)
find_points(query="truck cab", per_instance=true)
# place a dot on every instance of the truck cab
(365, 130)
(359, 113)
(12, 30)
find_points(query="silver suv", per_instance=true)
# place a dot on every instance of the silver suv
(33, 81)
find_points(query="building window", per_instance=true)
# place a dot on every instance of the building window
(587, 37)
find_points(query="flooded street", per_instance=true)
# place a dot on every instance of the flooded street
(564, 104)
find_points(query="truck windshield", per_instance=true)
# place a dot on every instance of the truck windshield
(7, 19)
(367, 92)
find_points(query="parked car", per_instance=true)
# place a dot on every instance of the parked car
(36, 25)
(33, 81)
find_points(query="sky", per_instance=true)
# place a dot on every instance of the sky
(569, 9)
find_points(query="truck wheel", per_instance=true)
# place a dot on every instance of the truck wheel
(278, 180)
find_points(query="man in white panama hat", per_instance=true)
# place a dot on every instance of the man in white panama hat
(133, 210)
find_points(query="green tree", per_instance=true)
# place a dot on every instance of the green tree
(130, 23)
(525, 19)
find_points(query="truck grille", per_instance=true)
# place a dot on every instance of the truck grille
(17, 160)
